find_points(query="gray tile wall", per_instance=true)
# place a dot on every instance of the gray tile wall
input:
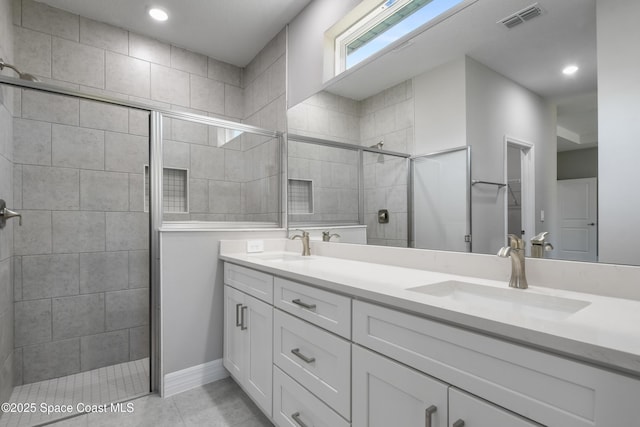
(237, 181)
(334, 173)
(81, 270)
(6, 193)
(327, 116)
(387, 116)
(265, 86)
(82, 264)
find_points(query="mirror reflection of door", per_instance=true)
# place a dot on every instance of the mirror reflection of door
(519, 193)
(578, 206)
(514, 191)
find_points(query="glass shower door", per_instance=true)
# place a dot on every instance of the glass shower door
(440, 196)
(81, 256)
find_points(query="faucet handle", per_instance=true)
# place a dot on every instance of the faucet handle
(515, 242)
(539, 238)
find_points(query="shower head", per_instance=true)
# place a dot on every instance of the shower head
(378, 146)
(23, 76)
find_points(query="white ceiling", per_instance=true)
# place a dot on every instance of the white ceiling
(532, 54)
(230, 31)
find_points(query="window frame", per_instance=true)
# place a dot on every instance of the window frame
(364, 24)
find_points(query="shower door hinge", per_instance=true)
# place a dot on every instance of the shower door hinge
(467, 238)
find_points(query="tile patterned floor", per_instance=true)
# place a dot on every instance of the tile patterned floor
(219, 404)
(109, 384)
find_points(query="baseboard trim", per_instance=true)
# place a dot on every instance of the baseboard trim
(195, 376)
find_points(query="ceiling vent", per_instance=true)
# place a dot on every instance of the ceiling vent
(522, 16)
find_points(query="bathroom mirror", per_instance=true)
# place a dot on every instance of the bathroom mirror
(471, 81)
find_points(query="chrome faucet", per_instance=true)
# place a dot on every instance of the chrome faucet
(326, 236)
(539, 245)
(515, 250)
(306, 249)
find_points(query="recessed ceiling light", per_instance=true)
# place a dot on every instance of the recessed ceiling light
(570, 70)
(158, 14)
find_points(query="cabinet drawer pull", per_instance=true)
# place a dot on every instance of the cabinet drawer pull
(243, 310)
(238, 314)
(427, 415)
(304, 304)
(458, 423)
(296, 418)
(296, 351)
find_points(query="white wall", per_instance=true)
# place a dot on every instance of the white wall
(192, 295)
(618, 130)
(497, 106)
(306, 46)
(440, 108)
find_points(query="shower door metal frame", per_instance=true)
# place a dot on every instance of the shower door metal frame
(410, 187)
(156, 116)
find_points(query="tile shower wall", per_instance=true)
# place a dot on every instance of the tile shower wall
(6, 193)
(327, 116)
(78, 159)
(334, 175)
(388, 117)
(235, 182)
(81, 290)
(81, 264)
(385, 187)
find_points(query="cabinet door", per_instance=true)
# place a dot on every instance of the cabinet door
(386, 393)
(258, 379)
(469, 411)
(233, 337)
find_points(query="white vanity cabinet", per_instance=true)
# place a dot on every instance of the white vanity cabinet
(541, 387)
(248, 342)
(386, 393)
(311, 357)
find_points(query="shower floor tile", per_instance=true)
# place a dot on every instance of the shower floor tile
(105, 385)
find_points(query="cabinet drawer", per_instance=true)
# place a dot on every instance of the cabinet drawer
(548, 389)
(291, 400)
(252, 282)
(318, 360)
(476, 412)
(325, 309)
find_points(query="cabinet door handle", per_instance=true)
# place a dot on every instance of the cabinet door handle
(296, 351)
(458, 423)
(304, 304)
(427, 415)
(238, 314)
(243, 326)
(296, 418)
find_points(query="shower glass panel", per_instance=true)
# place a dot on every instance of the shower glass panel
(81, 256)
(323, 185)
(385, 189)
(441, 216)
(220, 174)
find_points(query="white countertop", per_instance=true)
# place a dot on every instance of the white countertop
(606, 332)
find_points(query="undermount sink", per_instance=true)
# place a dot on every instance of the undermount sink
(281, 257)
(505, 300)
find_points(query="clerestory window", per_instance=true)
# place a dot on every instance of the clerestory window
(388, 22)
